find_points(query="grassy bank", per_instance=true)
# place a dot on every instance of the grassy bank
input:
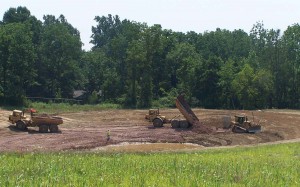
(65, 107)
(272, 165)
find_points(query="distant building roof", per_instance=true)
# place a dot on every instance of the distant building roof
(78, 93)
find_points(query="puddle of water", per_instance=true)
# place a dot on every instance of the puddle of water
(148, 147)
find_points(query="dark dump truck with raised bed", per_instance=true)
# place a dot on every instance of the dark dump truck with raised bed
(184, 108)
(190, 117)
(45, 122)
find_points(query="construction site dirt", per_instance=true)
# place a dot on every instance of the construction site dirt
(87, 130)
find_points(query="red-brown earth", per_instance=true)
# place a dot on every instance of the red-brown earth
(84, 131)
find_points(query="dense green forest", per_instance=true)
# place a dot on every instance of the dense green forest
(137, 65)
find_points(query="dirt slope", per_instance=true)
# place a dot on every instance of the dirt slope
(87, 130)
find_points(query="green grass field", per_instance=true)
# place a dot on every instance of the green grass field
(272, 165)
(65, 107)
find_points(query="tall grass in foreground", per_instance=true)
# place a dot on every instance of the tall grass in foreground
(274, 165)
(66, 107)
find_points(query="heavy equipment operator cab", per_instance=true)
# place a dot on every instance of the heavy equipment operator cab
(17, 113)
(241, 119)
(153, 112)
(15, 116)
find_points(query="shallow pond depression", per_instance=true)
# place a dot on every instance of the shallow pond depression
(148, 147)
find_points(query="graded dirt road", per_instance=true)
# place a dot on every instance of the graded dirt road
(87, 131)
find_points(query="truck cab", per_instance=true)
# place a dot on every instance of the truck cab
(153, 113)
(16, 116)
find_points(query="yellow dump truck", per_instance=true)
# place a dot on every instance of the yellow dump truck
(45, 122)
(190, 118)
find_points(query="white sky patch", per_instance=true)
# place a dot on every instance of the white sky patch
(177, 15)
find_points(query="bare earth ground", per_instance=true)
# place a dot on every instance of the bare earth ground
(87, 131)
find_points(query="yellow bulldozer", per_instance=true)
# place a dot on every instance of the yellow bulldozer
(241, 124)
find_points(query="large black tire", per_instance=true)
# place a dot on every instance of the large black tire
(43, 128)
(53, 128)
(21, 125)
(175, 123)
(184, 124)
(157, 122)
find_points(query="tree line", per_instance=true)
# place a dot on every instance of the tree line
(137, 65)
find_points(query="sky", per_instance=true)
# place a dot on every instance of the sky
(178, 15)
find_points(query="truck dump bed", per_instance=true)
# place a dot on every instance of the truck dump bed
(190, 116)
(186, 110)
(46, 119)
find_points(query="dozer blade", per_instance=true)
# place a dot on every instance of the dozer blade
(255, 129)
